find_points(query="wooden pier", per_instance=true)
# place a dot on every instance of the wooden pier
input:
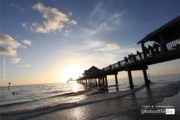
(167, 47)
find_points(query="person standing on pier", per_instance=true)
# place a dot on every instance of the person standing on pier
(126, 60)
(146, 50)
(133, 57)
(151, 49)
(156, 47)
(138, 53)
(130, 57)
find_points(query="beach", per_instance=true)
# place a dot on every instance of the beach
(89, 60)
(90, 104)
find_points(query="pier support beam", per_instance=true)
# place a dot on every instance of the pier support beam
(103, 80)
(145, 78)
(106, 81)
(130, 79)
(96, 82)
(90, 83)
(99, 84)
(116, 80)
(86, 83)
(163, 44)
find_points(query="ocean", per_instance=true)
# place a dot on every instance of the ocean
(72, 101)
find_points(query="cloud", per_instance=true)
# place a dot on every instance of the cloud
(70, 13)
(24, 24)
(73, 22)
(15, 60)
(97, 10)
(27, 42)
(7, 51)
(7, 40)
(102, 20)
(17, 6)
(8, 45)
(53, 19)
(26, 65)
(22, 46)
(113, 46)
(102, 56)
(66, 33)
(92, 44)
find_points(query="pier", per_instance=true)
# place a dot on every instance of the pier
(166, 47)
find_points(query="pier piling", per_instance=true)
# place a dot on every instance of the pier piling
(106, 82)
(116, 80)
(130, 79)
(86, 82)
(146, 78)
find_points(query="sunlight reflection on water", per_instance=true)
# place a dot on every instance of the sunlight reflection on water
(76, 86)
(78, 113)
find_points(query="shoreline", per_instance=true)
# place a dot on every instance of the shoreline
(108, 106)
(122, 108)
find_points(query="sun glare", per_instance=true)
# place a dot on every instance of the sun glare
(72, 71)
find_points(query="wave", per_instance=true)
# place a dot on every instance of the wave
(24, 114)
(71, 94)
(15, 103)
(57, 91)
(28, 101)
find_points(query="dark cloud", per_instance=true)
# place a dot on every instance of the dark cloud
(7, 51)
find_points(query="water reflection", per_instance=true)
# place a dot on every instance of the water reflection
(78, 113)
(76, 86)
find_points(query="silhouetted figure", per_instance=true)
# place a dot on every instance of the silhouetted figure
(13, 93)
(133, 57)
(110, 67)
(156, 47)
(9, 86)
(151, 49)
(130, 57)
(138, 53)
(126, 60)
(146, 50)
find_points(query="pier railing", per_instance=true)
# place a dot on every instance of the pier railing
(168, 49)
(173, 45)
(120, 64)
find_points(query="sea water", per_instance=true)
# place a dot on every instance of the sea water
(73, 101)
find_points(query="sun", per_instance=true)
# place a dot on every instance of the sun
(72, 71)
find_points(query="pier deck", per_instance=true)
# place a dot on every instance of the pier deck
(167, 39)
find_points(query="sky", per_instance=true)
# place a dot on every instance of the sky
(49, 41)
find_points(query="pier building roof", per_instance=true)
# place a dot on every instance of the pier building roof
(169, 30)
